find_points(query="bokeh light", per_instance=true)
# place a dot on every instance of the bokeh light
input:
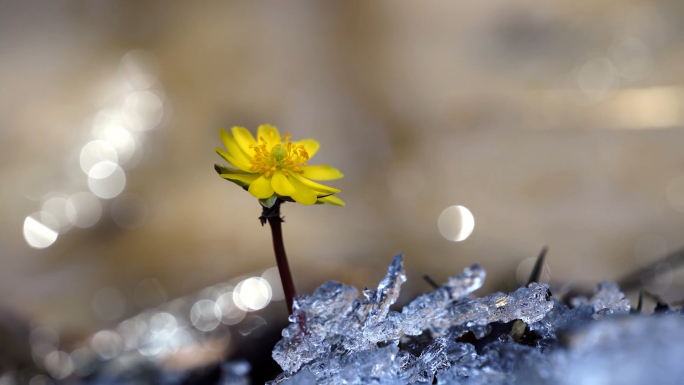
(253, 293)
(230, 312)
(106, 180)
(102, 170)
(84, 210)
(597, 79)
(143, 110)
(41, 229)
(205, 315)
(456, 223)
(631, 58)
(57, 205)
(40, 380)
(658, 279)
(164, 337)
(107, 344)
(41, 350)
(43, 341)
(139, 68)
(272, 276)
(58, 364)
(131, 331)
(83, 361)
(162, 321)
(118, 134)
(120, 139)
(94, 153)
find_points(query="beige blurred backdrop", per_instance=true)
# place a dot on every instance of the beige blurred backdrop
(555, 123)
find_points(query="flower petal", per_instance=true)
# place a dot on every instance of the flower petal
(281, 185)
(243, 180)
(269, 133)
(333, 200)
(316, 186)
(244, 138)
(261, 188)
(241, 164)
(303, 194)
(233, 147)
(227, 170)
(322, 172)
(246, 178)
(311, 146)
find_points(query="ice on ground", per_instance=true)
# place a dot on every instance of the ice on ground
(523, 337)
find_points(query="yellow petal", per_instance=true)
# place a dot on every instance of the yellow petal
(233, 147)
(269, 133)
(322, 172)
(333, 200)
(311, 146)
(281, 185)
(316, 186)
(227, 170)
(244, 138)
(241, 164)
(303, 194)
(244, 178)
(261, 188)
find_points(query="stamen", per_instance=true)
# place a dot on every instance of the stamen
(286, 156)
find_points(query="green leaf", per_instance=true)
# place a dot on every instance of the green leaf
(268, 202)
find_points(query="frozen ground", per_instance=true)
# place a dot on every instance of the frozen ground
(445, 337)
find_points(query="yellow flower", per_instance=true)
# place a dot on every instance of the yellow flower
(274, 166)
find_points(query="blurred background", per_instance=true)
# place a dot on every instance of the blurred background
(553, 123)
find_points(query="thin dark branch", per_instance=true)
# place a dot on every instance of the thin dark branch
(640, 304)
(538, 266)
(431, 281)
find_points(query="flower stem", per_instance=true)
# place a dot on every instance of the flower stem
(272, 215)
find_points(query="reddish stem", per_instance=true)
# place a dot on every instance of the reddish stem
(273, 216)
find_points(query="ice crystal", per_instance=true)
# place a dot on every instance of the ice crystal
(562, 317)
(608, 300)
(524, 337)
(340, 338)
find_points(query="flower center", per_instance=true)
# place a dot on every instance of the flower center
(286, 156)
(279, 153)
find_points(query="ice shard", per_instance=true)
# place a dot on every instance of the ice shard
(523, 337)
